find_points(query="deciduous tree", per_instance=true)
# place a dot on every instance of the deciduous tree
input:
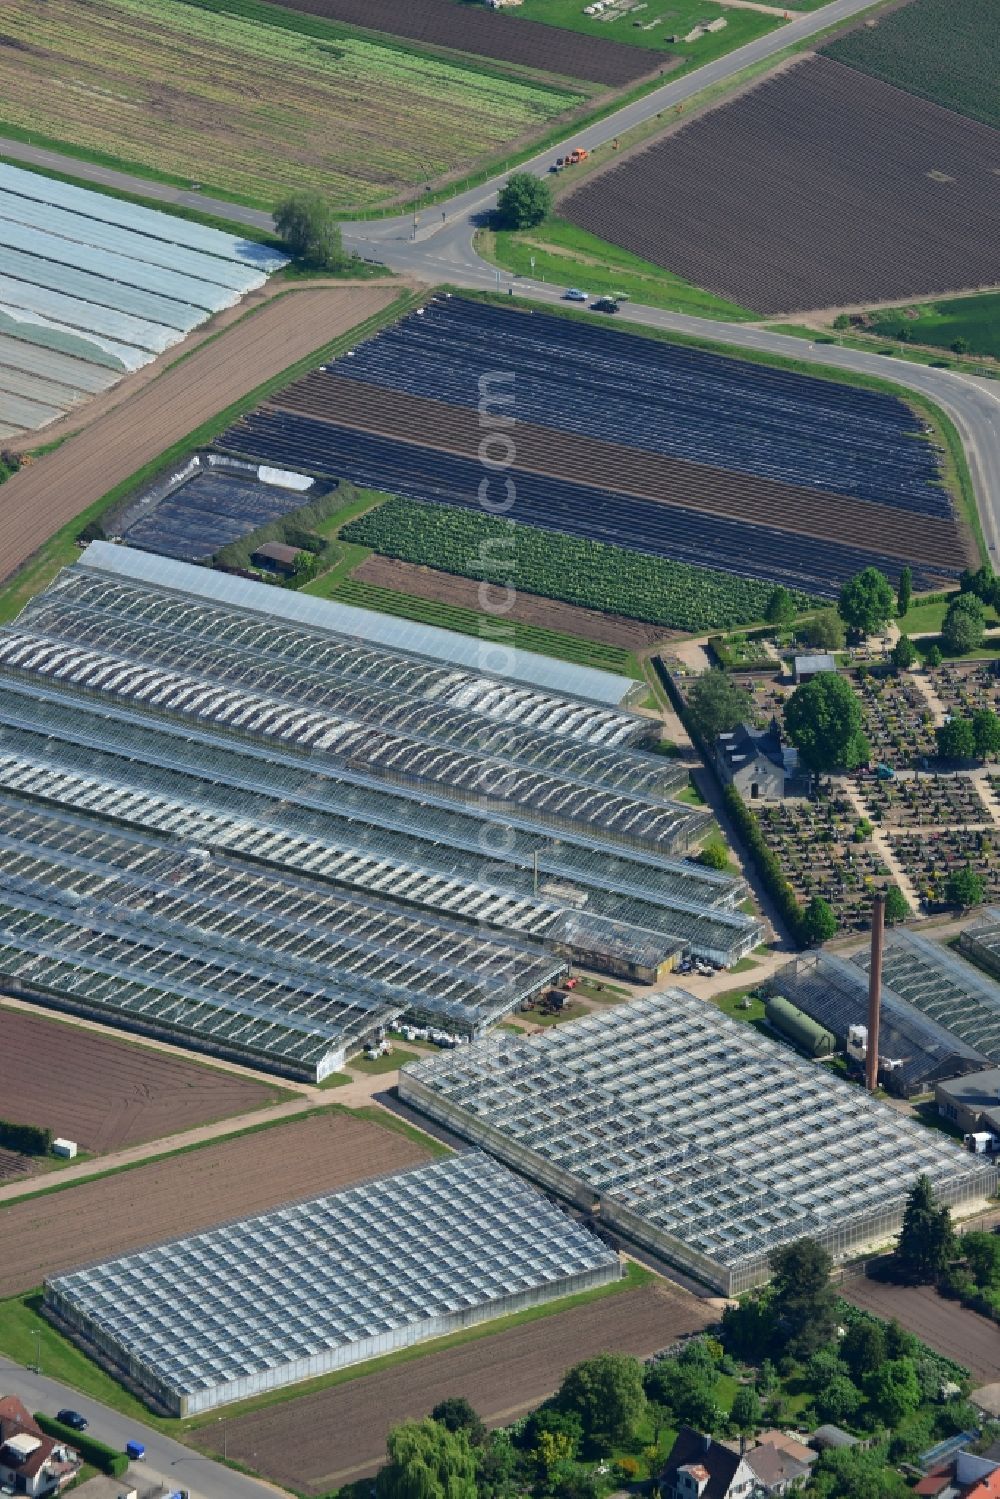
(964, 888)
(818, 922)
(307, 227)
(825, 631)
(823, 719)
(962, 629)
(867, 601)
(904, 653)
(896, 909)
(426, 1461)
(606, 1393)
(523, 201)
(986, 732)
(746, 1413)
(956, 740)
(457, 1414)
(780, 607)
(716, 703)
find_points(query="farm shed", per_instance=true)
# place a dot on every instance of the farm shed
(276, 557)
(971, 1102)
(807, 667)
(320, 1285)
(945, 989)
(692, 1134)
(914, 1050)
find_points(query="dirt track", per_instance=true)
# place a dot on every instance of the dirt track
(959, 1334)
(41, 499)
(105, 1093)
(319, 1442)
(182, 1194)
(529, 608)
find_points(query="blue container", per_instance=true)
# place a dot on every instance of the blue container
(135, 1450)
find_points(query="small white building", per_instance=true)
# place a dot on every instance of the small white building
(807, 667)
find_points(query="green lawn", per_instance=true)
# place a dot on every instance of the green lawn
(391, 1063)
(565, 255)
(974, 319)
(663, 18)
(923, 618)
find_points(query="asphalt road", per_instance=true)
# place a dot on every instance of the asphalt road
(166, 1462)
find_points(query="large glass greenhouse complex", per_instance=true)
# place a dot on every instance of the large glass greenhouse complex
(316, 1286)
(239, 829)
(693, 1135)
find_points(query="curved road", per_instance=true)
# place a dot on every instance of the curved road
(437, 245)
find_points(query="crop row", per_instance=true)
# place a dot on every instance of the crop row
(255, 108)
(947, 51)
(821, 187)
(593, 574)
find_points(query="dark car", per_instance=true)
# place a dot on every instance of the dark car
(605, 304)
(74, 1419)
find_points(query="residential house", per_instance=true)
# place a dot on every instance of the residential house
(756, 762)
(30, 1462)
(776, 1470)
(701, 1468)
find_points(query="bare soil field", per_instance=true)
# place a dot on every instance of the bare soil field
(631, 471)
(183, 1193)
(105, 1093)
(40, 499)
(532, 44)
(900, 193)
(319, 1442)
(953, 1330)
(529, 608)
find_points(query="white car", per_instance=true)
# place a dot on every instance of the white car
(575, 295)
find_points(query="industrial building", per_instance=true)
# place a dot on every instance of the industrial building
(948, 991)
(693, 1135)
(914, 1049)
(211, 832)
(316, 1286)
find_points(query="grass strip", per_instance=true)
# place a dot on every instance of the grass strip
(563, 647)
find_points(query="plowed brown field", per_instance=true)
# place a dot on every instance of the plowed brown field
(46, 496)
(819, 188)
(957, 1333)
(105, 1093)
(529, 608)
(650, 476)
(319, 1442)
(181, 1194)
(467, 28)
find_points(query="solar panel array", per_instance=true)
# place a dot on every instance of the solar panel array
(698, 1136)
(92, 286)
(951, 993)
(322, 1284)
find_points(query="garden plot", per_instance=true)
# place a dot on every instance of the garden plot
(815, 845)
(92, 287)
(931, 855)
(923, 801)
(898, 720)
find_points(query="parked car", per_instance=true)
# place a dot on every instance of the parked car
(74, 1419)
(604, 304)
(575, 295)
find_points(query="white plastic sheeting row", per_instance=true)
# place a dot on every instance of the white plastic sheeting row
(92, 287)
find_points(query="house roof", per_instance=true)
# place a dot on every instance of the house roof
(786, 1443)
(772, 1466)
(277, 551)
(976, 1090)
(691, 1450)
(23, 1445)
(823, 662)
(745, 743)
(987, 1488)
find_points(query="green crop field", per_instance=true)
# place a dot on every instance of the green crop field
(947, 51)
(565, 255)
(251, 107)
(974, 320)
(655, 21)
(590, 573)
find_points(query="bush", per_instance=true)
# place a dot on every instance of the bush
(106, 1459)
(523, 201)
(25, 1138)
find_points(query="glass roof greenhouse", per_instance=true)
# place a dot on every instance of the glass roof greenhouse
(948, 991)
(318, 1285)
(698, 1137)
